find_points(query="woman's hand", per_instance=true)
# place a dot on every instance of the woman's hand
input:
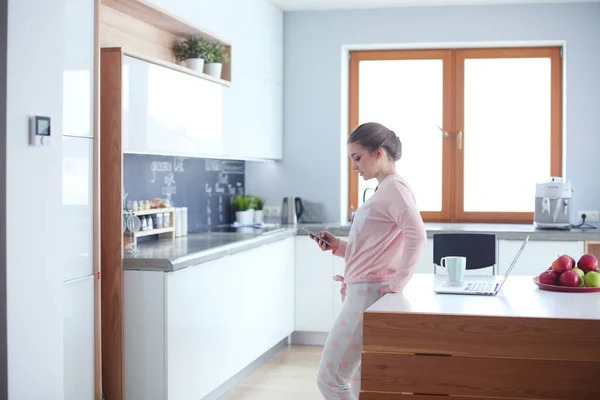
(383, 290)
(334, 242)
(339, 278)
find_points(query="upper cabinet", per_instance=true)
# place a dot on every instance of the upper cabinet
(78, 72)
(171, 106)
(253, 127)
(168, 112)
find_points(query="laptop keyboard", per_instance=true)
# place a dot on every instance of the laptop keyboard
(479, 287)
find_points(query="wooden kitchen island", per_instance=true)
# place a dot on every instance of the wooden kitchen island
(524, 343)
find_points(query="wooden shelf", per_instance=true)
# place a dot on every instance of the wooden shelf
(149, 33)
(176, 67)
(150, 232)
(152, 211)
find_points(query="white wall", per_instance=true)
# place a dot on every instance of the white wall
(315, 115)
(255, 30)
(33, 201)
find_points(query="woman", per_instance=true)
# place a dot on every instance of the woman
(385, 243)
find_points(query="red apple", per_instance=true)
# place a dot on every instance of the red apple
(549, 278)
(569, 279)
(562, 264)
(587, 263)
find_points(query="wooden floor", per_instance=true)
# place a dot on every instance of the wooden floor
(290, 375)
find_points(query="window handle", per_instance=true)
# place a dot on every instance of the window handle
(459, 140)
(445, 133)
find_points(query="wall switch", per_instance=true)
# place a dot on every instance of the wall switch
(272, 211)
(39, 130)
(590, 216)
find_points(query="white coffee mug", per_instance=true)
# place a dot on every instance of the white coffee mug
(456, 267)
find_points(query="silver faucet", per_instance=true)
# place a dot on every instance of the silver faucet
(365, 193)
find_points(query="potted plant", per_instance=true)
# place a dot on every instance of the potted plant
(214, 57)
(192, 50)
(244, 213)
(258, 205)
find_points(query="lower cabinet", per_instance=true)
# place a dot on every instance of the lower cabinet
(425, 265)
(78, 331)
(318, 297)
(318, 300)
(188, 332)
(537, 255)
(314, 286)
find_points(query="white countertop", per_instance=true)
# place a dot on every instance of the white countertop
(519, 297)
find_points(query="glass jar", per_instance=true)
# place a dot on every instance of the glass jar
(158, 221)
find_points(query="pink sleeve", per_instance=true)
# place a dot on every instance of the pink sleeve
(407, 216)
(341, 250)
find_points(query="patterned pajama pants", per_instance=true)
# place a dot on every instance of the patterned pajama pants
(339, 372)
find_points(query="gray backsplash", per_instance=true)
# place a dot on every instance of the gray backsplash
(205, 186)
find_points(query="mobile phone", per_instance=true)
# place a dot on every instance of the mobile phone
(315, 235)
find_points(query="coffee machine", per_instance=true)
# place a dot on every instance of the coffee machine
(553, 204)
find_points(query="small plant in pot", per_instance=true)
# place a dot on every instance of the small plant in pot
(192, 50)
(244, 213)
(214, 57)
(258, 205)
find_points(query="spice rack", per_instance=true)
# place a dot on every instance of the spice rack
(163, 233)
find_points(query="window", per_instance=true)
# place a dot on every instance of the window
(479, 127)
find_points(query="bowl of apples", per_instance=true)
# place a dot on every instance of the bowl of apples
(567, 275)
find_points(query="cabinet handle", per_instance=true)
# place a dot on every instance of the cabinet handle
(459, 140)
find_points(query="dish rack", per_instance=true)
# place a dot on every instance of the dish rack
(132, 226)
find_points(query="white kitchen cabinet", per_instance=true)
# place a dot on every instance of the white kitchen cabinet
(256, 132)
(314, 288)
(187, 332)
(172, 113)
(253, 104)
(537, 255)
(317, 303)
(78, 207)
(425, 265)
(78, 72)
(169, 112)
(78, 331)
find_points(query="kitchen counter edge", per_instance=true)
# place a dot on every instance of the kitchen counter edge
(502, 231)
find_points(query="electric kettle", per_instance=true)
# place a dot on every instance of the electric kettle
(291, 210)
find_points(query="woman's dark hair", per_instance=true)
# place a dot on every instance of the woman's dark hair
(372, 135)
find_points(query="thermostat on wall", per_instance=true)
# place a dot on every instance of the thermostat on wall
(39, 131)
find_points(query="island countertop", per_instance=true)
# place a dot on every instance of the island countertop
(519, 297)
(486, 347)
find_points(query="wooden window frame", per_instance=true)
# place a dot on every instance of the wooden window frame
(453, 122)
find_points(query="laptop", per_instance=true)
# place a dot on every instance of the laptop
(482, 287)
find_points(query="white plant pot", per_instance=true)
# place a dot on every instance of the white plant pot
(213, 69)
(197, 64)
(244, 217)
(258, 216)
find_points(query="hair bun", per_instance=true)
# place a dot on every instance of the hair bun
(373, 135)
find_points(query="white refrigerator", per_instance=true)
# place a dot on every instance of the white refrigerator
(78, 201)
